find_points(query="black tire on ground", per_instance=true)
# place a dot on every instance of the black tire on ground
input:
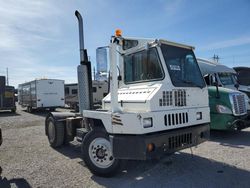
(90, 150)
(55, 132)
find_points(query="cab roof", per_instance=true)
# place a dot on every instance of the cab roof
(144, 41)
(209, 67)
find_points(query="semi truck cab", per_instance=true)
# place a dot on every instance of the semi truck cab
(157, 104)
(161, 98)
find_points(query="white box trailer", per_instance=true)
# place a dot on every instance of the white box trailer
(43, 93)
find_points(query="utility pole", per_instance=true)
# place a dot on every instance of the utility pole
(7, 80)
(216, 58)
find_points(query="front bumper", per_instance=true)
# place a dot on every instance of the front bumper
(167, 142)
(242, 122)
(228, 122)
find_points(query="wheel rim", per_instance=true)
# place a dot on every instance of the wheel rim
(51, 131)
(100, 153)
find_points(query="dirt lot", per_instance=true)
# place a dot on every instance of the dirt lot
(28, 161)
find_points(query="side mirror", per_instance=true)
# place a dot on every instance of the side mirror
(102, 63)
(215, 83)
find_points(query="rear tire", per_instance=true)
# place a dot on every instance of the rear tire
(97, 154)
(55, 132)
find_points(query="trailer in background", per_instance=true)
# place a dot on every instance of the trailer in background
(7, 96)
(41, 94)
(99, 89)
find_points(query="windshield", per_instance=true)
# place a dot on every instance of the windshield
(244, 77)
(182, 66)
(227, 78)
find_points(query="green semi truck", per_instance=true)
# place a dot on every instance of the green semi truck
(228, 107)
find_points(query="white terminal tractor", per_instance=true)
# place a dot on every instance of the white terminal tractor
(157, 104)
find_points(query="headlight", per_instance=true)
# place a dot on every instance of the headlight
(198, 115)
(223, 109)
(147, 122)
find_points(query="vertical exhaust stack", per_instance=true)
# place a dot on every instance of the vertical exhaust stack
(85, 94)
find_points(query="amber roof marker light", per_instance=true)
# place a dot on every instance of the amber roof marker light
(118, 32)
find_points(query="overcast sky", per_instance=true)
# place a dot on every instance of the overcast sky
(39, 38)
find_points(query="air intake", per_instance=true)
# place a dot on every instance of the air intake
(180, 97)
(176, 119)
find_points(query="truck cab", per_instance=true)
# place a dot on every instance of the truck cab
(156, 85)
(158, 101)
(157, 104)
(228, 106)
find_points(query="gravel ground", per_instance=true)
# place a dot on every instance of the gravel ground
(28, 161)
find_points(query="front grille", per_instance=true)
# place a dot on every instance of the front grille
(176, 119)
(167, 99)
(180, 97)
(238, 103)
(178, 141)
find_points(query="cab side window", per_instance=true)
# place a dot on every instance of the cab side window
(142, 66)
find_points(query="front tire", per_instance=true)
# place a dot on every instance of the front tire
(55, 132)
(97, 154)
